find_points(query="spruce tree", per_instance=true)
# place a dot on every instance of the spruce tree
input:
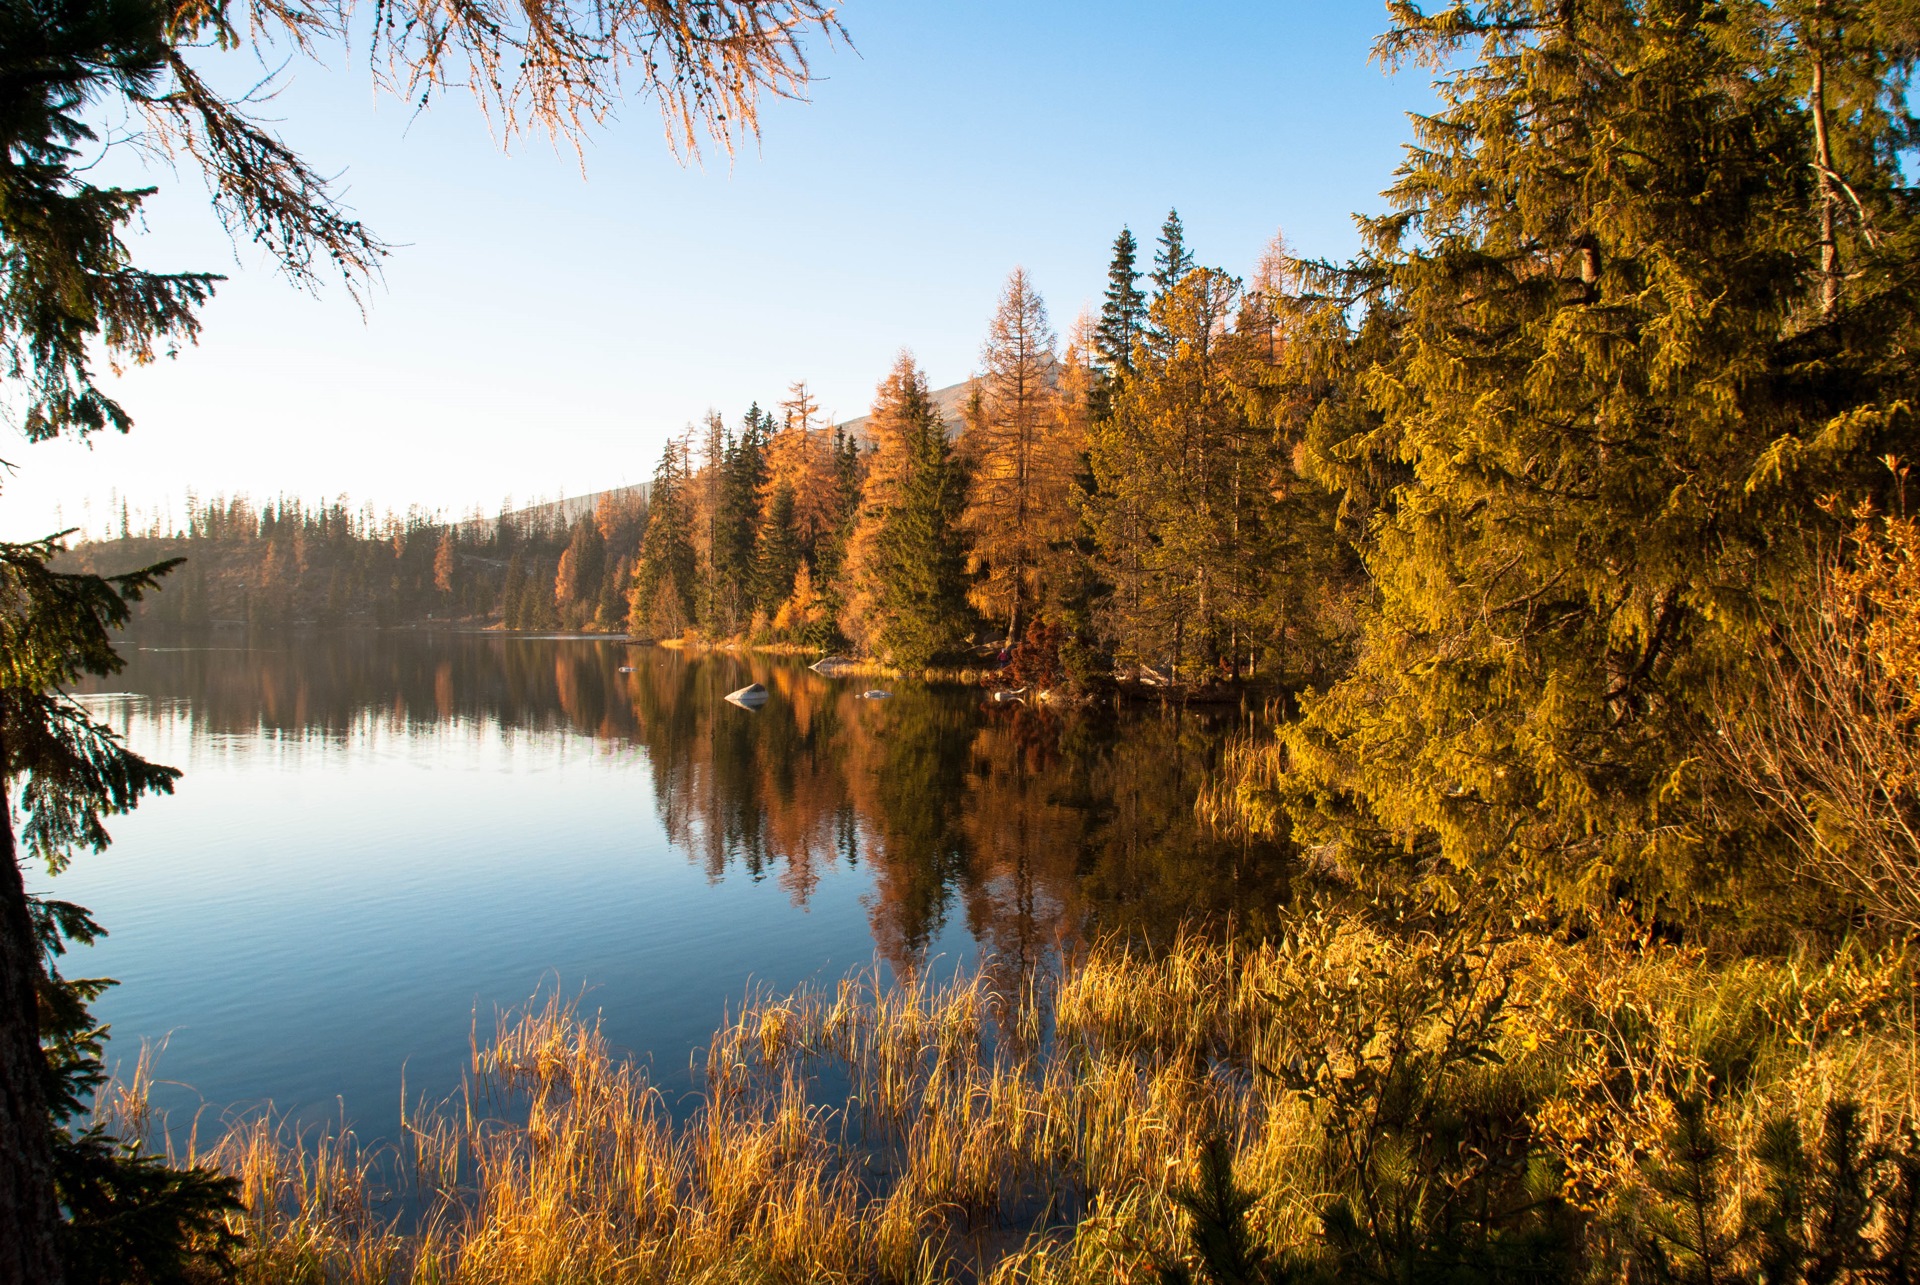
(513, 591)
(1171, 261)
(72, 1199)
(777, 556)
(835, 545)
(904, 586)
(576, 583)
(920, 563)
(1183, 489)
(1123, 312)
(661, 601)
(737, 524)
(1597, 379)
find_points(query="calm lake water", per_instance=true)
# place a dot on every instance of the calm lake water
(381, 838)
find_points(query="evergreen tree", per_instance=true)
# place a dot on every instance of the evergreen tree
(661, 601)
(890, 424)
(576, 585)
(710, 481)
(67, 283)
(77, 1200)
(832, 550)
(907, 584)
(1184, 482)
(513, 592)
(1171, 261)
(1123, 312)
(1597, 377)
(737, 524)
(777, 556)
(621, 519)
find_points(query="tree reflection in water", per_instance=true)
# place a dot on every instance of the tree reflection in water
(1042, 828)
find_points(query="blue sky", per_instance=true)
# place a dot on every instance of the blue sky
(542, 331)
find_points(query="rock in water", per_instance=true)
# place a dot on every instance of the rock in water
(752, 696)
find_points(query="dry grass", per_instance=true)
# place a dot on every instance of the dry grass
(922, 1131)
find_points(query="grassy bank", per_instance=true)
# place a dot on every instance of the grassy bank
(1325, 1107)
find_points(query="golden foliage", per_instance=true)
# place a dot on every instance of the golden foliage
(1035, 1131)
(1832, 748)
(803, 611)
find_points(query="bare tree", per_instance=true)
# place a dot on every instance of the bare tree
(1833, 747)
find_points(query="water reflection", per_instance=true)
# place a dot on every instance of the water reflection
(1031, 826)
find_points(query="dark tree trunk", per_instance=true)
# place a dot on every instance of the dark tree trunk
(29, 1213)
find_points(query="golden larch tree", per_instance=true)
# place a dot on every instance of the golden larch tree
(800, 463)
(1022, 462)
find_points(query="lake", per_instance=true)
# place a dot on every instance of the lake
(383, 839)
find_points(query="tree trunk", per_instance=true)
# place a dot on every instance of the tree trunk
(29, 1213)
(1829, 199)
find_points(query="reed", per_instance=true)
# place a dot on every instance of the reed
(918, 1130)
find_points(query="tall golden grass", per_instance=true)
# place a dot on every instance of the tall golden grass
(918, 1130)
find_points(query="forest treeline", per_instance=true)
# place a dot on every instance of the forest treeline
(290, 563)
(1125, 501)
(1128, 501)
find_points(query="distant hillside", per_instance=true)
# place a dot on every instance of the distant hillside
(562, 513)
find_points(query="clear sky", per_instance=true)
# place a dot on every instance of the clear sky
(542, 331)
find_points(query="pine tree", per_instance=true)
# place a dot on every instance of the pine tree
(576, 584)
(737, 523)
(1597, 377)
(661, 601)
(1171, 262)
(905, 578)
(1123, 312)
(1183, 488)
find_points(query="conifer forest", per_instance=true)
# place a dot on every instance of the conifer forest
(1423, 745)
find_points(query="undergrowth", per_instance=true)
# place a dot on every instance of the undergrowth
(1347, 1103)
